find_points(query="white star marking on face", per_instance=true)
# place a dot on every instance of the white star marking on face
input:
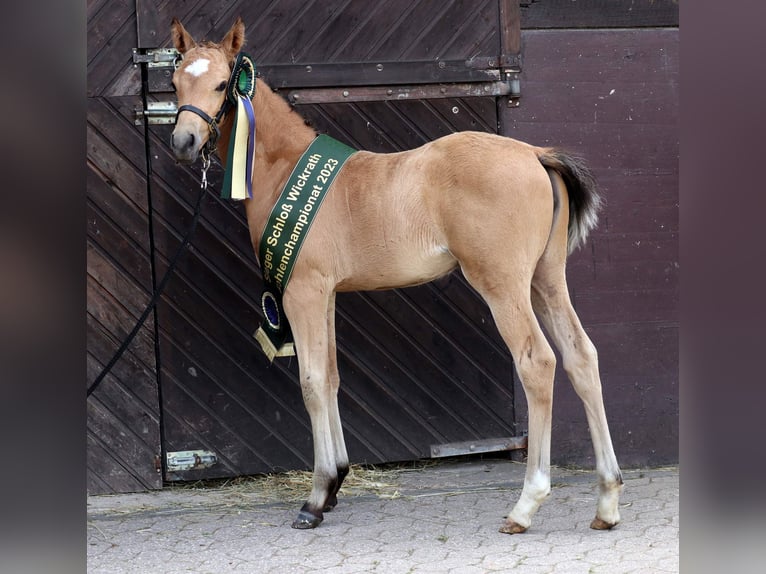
(198, 67)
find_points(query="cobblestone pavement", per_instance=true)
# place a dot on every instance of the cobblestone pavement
(442, 518)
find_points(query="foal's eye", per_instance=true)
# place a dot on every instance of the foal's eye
(221, 87)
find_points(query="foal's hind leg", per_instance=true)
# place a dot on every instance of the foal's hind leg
(551, 301)
(307, 310)
(509, 301)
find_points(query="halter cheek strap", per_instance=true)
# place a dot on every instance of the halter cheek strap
(241, 84)
(212, 123)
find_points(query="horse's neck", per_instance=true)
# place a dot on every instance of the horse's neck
(281, 136)
(280, 132)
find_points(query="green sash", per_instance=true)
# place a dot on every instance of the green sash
(286, 228)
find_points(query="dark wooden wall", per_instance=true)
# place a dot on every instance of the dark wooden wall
(601, 78)
(419, 366)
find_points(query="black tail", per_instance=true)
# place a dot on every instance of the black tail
(584, 200)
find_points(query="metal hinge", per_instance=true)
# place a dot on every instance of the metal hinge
(156, 113)
(190, 460)
(514, 87)
(157, 57)
(508, 66)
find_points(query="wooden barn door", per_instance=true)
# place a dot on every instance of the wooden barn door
(123, 427)
(422, 367)
(424, 371)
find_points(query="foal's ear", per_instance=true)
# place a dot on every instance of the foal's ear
(182, 40)
(234, 39)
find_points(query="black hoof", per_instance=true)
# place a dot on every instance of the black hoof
(306, 520)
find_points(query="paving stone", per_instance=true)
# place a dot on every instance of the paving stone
(445, 520)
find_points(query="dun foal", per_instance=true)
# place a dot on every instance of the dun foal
(505, 212)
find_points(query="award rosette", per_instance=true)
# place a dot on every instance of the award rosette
(238, 177)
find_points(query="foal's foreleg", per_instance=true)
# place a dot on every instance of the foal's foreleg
(579, 357)
(308, 314)
(336, 429)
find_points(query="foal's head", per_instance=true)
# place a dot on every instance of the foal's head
(200, 81)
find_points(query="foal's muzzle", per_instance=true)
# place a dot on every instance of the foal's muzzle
(187, 144)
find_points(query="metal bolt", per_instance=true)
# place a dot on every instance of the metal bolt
(308, 69)
(389, 92)
(455, 109)
(379, 67)
(442, 64)
(345, 93)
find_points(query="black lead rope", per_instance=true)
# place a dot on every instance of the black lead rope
(161, 286)
(241, 81)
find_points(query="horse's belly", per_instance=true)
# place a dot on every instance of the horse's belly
(392, 268)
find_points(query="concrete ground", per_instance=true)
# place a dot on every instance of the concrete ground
(441, 518)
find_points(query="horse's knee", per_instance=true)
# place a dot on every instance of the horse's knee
(314, 385)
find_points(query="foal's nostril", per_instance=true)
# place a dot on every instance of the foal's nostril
(183, 141)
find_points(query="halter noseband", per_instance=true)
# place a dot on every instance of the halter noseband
(212, 123)
(241, 82)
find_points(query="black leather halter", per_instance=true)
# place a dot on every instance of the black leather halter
(212, 123)
(233, 90)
